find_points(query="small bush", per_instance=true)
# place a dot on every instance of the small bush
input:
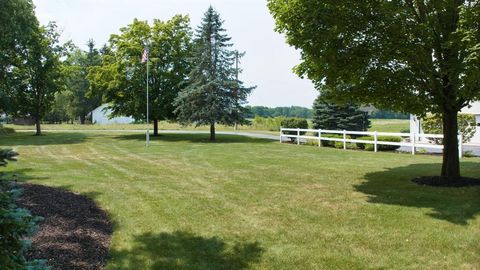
(294, 123)
(380, 147)
(15, 224)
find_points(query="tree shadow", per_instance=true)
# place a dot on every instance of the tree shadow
(20, 175)
(185, 251)
(196, 138)
(53, 138)
(394, 186)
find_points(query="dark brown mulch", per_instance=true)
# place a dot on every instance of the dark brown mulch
(75, 232)
(438, 181)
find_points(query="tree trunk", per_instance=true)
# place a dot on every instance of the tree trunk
(82, 119)
(451, 159)
(212, 132)
(155, 127)
(37, 126)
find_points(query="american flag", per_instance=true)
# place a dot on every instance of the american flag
(145, 55)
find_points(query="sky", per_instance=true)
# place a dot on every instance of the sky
(268, 61)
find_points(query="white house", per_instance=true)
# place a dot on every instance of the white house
(416, 125)
(101, 115)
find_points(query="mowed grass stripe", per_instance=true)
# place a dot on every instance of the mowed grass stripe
(242, 203)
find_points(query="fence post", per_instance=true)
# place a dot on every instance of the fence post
(413, 142)
(375, 136)
(298, 136)
(460, 145)
(319, 138)
(281, 133)
(344, 139)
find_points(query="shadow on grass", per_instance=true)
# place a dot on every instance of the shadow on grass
(20, 175)
(394, 186)
(185, 251)
(22, 138)
(195, 138)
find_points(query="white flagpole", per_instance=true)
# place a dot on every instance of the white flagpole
(148, 122)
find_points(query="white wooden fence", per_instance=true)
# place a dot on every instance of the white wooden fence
(410, 140)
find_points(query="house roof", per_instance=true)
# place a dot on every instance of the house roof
(474, 109)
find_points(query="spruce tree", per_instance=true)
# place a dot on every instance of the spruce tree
(339, 117)
(213, 93)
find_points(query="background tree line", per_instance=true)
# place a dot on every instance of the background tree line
(193, 78)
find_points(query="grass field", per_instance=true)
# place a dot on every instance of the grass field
(242, 203)
(381, 125)
(390, 125)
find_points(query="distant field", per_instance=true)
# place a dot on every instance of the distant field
(381, 125)
(390, 125)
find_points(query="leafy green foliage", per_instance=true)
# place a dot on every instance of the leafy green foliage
(80, 98)
(294, 123)
(331, 116)
(17, 24)
(213, 94)
(407, 56)
(15, 224)
(40, 78)
(122, 76)
(432, 124)
(293, 111)
(61, 110)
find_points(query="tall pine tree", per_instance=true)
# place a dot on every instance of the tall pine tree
(213, 93)
(331, 116)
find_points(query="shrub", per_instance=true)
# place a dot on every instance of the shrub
(432, 124)
(15, 224)
(380, 147)
(294, 123)
(331, 143)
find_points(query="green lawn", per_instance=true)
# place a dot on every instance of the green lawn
(381, 125)
(241, 203)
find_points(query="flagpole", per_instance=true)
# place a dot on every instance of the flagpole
(148, 122)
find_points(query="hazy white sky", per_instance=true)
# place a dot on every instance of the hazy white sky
(268, 61)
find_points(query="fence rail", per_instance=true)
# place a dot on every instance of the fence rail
(411, 140)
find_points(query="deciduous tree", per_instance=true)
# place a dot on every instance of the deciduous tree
(408, 56)
(39, 76)
(122, 76)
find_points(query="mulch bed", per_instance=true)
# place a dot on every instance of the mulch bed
(438, 181)
(74, 234)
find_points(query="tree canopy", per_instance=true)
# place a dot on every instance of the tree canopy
(80, 98)
(403, 55)
(122, 76)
